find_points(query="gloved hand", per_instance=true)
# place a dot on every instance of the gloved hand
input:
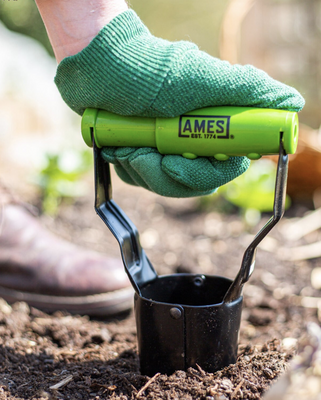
(173, 176)
(128, 71)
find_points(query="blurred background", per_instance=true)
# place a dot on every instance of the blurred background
(41, 149)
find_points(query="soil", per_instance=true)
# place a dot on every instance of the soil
(74, 357)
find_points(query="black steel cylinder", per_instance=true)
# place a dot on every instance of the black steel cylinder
(182, 321)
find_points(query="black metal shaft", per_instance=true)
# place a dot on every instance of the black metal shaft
(248, 261)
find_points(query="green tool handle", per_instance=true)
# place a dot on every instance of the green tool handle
(213, 131)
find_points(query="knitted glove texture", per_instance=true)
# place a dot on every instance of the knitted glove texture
(128, 71)
(173, 176)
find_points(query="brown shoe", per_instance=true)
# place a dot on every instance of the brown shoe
(51, 274)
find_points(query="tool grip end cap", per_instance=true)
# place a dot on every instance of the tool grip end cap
(88, 125)
(291, 133)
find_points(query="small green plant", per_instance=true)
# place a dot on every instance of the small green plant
(252, 192)
(61, 177)
(255, 188)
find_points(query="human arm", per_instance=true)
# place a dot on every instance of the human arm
(128, 71)
(71, 25)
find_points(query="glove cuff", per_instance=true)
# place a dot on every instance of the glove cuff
(122, 69)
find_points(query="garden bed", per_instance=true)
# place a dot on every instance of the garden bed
(74, 357)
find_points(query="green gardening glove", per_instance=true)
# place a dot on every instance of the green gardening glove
(128, 71)
(173, 176)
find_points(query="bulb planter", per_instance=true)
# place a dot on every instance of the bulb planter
(183, 320)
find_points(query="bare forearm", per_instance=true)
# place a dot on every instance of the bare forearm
(72, 24)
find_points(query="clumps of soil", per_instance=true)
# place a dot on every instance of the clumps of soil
(256, 367)
(71, 357)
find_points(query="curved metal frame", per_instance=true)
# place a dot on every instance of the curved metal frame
(247, 266)
(136, 263)
(139, 269)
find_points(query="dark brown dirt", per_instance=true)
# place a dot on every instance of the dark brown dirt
(99, 358)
